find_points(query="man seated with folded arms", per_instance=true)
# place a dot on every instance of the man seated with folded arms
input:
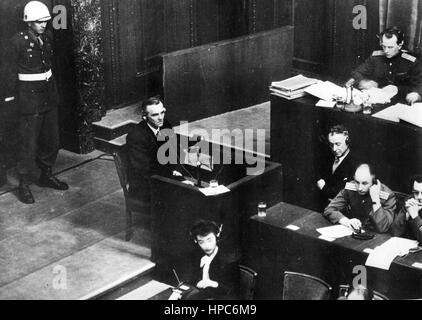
(408, 222)
(363, 203)
(211, 273)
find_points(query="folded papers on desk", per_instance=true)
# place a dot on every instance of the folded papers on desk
(326, 90)
(382, 256)
(335, 232)
(293, 87)
(414, 115)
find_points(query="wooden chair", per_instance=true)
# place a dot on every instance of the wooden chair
(247, 278)
(379, 296)
(131, 204)
(300, 286)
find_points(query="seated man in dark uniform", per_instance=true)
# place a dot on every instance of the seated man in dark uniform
(391, 66)
(336, 168)
(142, 145)
(211, 274)
(365, 202)
(408, 222)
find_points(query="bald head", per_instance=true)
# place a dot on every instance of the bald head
(364, 178)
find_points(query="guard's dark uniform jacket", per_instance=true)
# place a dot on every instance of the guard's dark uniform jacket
(403, 71)
(26, 71)
(349, 203)
(25, 56)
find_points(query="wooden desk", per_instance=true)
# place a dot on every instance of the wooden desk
(298, 129)
(176, 206)
(274, 249)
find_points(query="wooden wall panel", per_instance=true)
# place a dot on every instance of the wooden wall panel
(212, 79)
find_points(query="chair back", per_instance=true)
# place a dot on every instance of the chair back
(121, 163)
(247, 279)
(378, 296)
(300, 286)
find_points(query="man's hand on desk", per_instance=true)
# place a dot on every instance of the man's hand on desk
(353, 224)
(206, 284)
(413, 97)
(321, 184)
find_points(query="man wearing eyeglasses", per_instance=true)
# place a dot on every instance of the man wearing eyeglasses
(408, 223)
(391, 66)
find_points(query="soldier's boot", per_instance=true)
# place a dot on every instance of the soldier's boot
(48, 180)
(25, 194)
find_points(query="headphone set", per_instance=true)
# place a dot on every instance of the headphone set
(213, 226)
(340, 129)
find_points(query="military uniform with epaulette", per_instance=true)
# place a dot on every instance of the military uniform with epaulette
(403, 70)
(349, 203)
(27, 68)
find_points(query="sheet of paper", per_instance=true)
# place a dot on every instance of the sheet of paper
(337, 231)
(292, 227)
(326, 104)
(176, 295)
(382, 256)
(392, 113)
(414, 115)
(326, 90)
(326, 238)
(212, 191)
(381, 95)
(417, 265)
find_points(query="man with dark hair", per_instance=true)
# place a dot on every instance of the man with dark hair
(213, 277)
(142, 144)
(338, 167)
(27, 68)
(365, 202)
(391, 66)
(408, 222)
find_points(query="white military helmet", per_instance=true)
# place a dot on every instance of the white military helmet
(36, 11)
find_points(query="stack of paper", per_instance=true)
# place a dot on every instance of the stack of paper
(382, 96)
(382, 257)
(293, 87)
(327, 91)
(393, 113)
(213, 191)
(414, 115)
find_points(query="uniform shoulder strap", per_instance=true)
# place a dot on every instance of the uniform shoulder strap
(378, 53)
(409, 57)
(351, 186)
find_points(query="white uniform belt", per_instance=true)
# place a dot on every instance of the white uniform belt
(35, 76)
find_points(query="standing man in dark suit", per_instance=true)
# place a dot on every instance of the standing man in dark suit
(28, 69)
(338, 167)
(142, 144)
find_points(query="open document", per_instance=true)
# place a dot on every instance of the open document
(413, 115)
(382, 256)
(326, 90)
(393, 113)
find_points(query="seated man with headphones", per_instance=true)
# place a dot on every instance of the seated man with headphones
(142, 145)
(213, 276)
(363, 203)
(337, 167)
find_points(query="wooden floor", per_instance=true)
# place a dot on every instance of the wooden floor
(70, 245)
